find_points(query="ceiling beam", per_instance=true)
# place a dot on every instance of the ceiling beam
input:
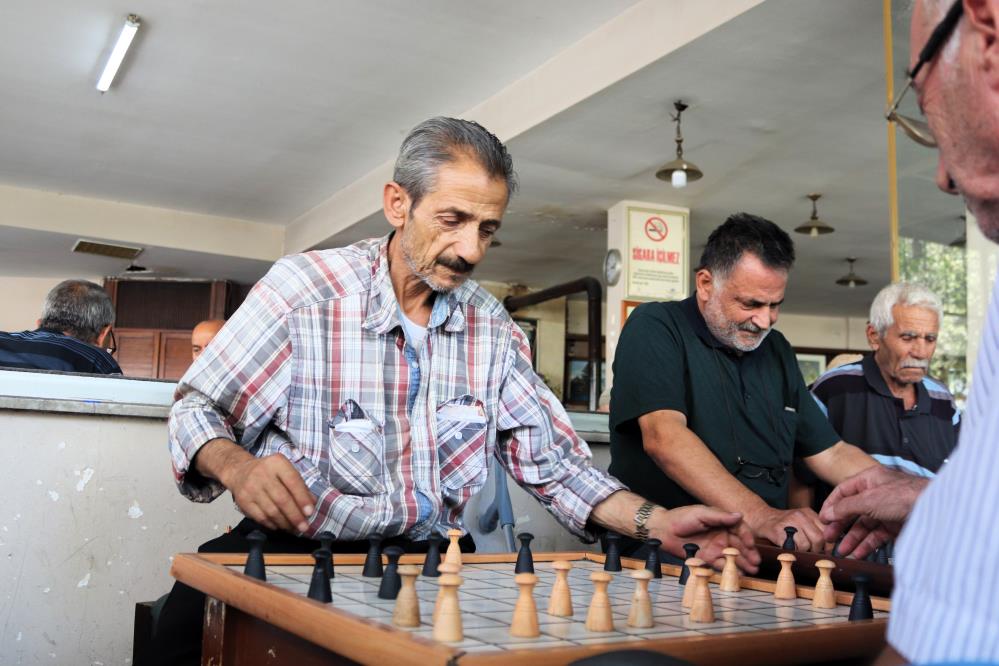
(639, 36)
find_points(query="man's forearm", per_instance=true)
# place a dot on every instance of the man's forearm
(617, 512)
(217, 457)
(839, 462)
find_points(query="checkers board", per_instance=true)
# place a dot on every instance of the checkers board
(249, 621)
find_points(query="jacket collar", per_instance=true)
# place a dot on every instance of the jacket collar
(872, 373)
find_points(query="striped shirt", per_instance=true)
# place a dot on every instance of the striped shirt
(315, 366)
(46, 349)
(945, 604)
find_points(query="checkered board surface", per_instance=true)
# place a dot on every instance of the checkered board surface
(488, 594)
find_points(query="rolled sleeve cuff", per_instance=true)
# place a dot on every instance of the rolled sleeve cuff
(189, 431)
(959, 634)
(576, 496)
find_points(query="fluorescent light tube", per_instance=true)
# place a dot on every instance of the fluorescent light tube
(118, 52)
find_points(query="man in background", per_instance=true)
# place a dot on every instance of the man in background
(73, 334)
(203, 334)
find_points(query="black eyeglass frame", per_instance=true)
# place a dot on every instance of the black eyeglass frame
(774, 475)
(919, 130)
(114, 343)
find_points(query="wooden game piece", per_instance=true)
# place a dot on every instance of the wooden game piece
(254, 567)
(447, 624)
(690, 549)
(453, 554)
(525, 560)
(525, 612)
(652, 562)
(391, 583)
(789, 538)
(444, 568)
(319, 586)
(785, 588)
(730, 578)
(407, 604)
(373, 561)
(326, 539)
(560, 603)
(825, 594)
(599, 616)
(640, 614)
(860, 607)
(702, 610)
(688, 589)
(433, 558)
(612, 558)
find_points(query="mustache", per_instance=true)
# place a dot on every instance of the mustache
(457, 264)
(750, 327)
(921, 365)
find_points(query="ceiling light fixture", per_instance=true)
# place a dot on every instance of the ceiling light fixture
(679, 172)
(118, 52)
(851, 279)
(814, 226)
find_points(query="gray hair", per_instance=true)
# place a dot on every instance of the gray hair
(78, 308)
(441, 140)
(909, 294)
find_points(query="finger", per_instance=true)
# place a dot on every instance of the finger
(748, 559)
(853, 538)
(711, 517)
(834, 530)
(293, 481)
(288, 514)
(256, 514)
(273, 512)
(848, 488)
(814, 529)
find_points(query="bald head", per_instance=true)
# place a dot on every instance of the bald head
(203, 334)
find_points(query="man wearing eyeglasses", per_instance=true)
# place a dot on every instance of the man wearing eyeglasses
(73, 335)
(944, 605)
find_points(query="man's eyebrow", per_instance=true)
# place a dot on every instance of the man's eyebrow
(753, 303)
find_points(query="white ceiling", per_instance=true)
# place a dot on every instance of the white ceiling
(247, 110)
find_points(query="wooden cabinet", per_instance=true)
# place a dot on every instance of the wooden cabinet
(162, 354)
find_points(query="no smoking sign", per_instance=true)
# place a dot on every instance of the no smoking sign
(656, 229)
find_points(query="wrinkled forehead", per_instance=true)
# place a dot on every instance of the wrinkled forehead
(915, 318)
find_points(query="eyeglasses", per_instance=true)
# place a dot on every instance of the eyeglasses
(114, 343)
(919, 130)
(751, 470)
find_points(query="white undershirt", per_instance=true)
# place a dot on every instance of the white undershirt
(415, 334)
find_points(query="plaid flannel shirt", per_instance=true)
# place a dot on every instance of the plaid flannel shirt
(314, 366)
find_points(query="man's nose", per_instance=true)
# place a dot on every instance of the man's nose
(470, 246)
(762, 318)
(944, 181)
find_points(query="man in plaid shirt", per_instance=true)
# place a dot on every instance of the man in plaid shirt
(363, 390)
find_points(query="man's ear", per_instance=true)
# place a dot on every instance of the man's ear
(982, 16)
(395, 203)
(873, 339)
(704, 284)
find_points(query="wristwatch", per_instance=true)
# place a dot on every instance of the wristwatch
(641, 518)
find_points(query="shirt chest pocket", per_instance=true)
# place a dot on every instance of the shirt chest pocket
(357, 452)
(462, 427)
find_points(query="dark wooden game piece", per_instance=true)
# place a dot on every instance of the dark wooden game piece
(652, 559)
(327, 539)
(255, 558)
(391, 581)
(612, 559)
(319, 587)
(373, 562)
(789, 540)
(861, 608)
(690, 549)
(525, 561)
(433, 559)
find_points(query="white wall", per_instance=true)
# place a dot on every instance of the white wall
(23, 298)
(830, 332)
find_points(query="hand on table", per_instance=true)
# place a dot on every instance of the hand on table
(769, 524)
(880, 499)
(270, 491)
(711, 529)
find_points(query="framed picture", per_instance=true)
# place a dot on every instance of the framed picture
(530, 329)
(812, 366)
(576, 380)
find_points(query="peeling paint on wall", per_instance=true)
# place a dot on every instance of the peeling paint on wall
(54, 496)
(85, 477)
(134, 511)
(84, 582)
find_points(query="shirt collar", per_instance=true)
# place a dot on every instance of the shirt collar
(383, 306)
(872, 373)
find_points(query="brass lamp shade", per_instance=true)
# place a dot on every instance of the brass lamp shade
(851, 279)
(814, 226)
(679, 164)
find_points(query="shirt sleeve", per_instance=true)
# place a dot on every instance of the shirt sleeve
(234, 390)
(649, 367)
(540, 449)
(814, 433)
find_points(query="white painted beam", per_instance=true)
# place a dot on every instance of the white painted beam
(639, 36)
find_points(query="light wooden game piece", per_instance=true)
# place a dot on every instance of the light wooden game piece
(444, 568)
(407, 605)
(560, 603)
(447, 626)
(730, 579)
(453, 554)
(525, 612)
(640, 614)
(599, 616)
(702, 610)
(825, 593)
(688, 589)
(785, 588)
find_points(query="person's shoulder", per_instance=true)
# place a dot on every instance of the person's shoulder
(938, 390)
(478, 297)
(322, 275)
(657, 313)
(838, 379)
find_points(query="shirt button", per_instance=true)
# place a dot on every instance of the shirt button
(457, 435)
(905, 440)
(355, 448)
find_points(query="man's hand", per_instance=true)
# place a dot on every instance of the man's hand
(711, 529)
(769, 523)
(268, 490)
(880, 499)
